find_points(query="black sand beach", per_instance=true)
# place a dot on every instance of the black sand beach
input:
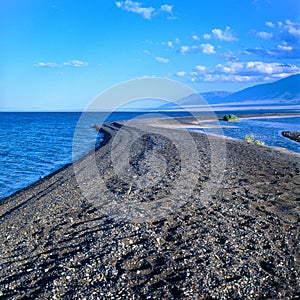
(154, 225)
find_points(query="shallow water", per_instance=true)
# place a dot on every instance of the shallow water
(33, 145)
(36, 144)
(267, 130)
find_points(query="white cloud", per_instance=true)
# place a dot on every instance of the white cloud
(208, 49)
(264, 35)
(147, 52)
(200, 68)
(177, 41)
(270, 24)
(226, 35)
(204, 48)
(184, 49)
(162, 60)
(243, 78)
(167, 8)
(72, 63)
(227, 78)
(230, 56)
(290, 28)
(168, 44)
(46, 65)
(246, 71)
(195, 37)
(250, 67)
(181, 74)
(145, 12)
(285, 48)
(136, 7)
(293, 28)
(75, 63)
(221, 35)
(251, 71)
(286, 41)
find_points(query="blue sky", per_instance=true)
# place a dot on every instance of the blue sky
(58, 55)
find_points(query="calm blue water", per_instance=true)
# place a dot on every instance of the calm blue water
(267, 130)
(33, 145)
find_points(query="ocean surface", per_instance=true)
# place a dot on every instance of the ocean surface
(36, 144)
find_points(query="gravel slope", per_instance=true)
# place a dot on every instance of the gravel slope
(196, 233)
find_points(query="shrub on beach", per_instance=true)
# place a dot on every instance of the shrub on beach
(230, 118)
(249, 138)
(258, 142)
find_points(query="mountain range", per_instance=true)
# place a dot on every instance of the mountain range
(284, 92)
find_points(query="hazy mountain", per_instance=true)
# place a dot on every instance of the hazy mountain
(198, 99)
(284, 91)
(215, 97)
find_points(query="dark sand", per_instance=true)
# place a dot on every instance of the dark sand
(199, 231)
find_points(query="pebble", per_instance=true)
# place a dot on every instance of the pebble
(215, 250)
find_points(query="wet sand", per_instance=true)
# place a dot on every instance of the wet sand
(145, 217)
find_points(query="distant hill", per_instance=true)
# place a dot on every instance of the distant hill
(215, 97)
(195, 99)
(285, 91)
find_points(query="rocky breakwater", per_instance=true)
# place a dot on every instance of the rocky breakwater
(293, 135)
(82, 234)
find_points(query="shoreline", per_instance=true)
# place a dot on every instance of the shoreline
(231, 244)
(189, 125)
(195, 122)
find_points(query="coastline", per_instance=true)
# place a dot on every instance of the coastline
(202, 122)
(56, 243)
(187, 122)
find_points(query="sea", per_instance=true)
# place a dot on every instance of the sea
(36, 144)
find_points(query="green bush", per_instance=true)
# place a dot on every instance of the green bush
(258, 142)
(249, 138)
(230, 118)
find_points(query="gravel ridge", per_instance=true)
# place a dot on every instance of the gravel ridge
(241, 243)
